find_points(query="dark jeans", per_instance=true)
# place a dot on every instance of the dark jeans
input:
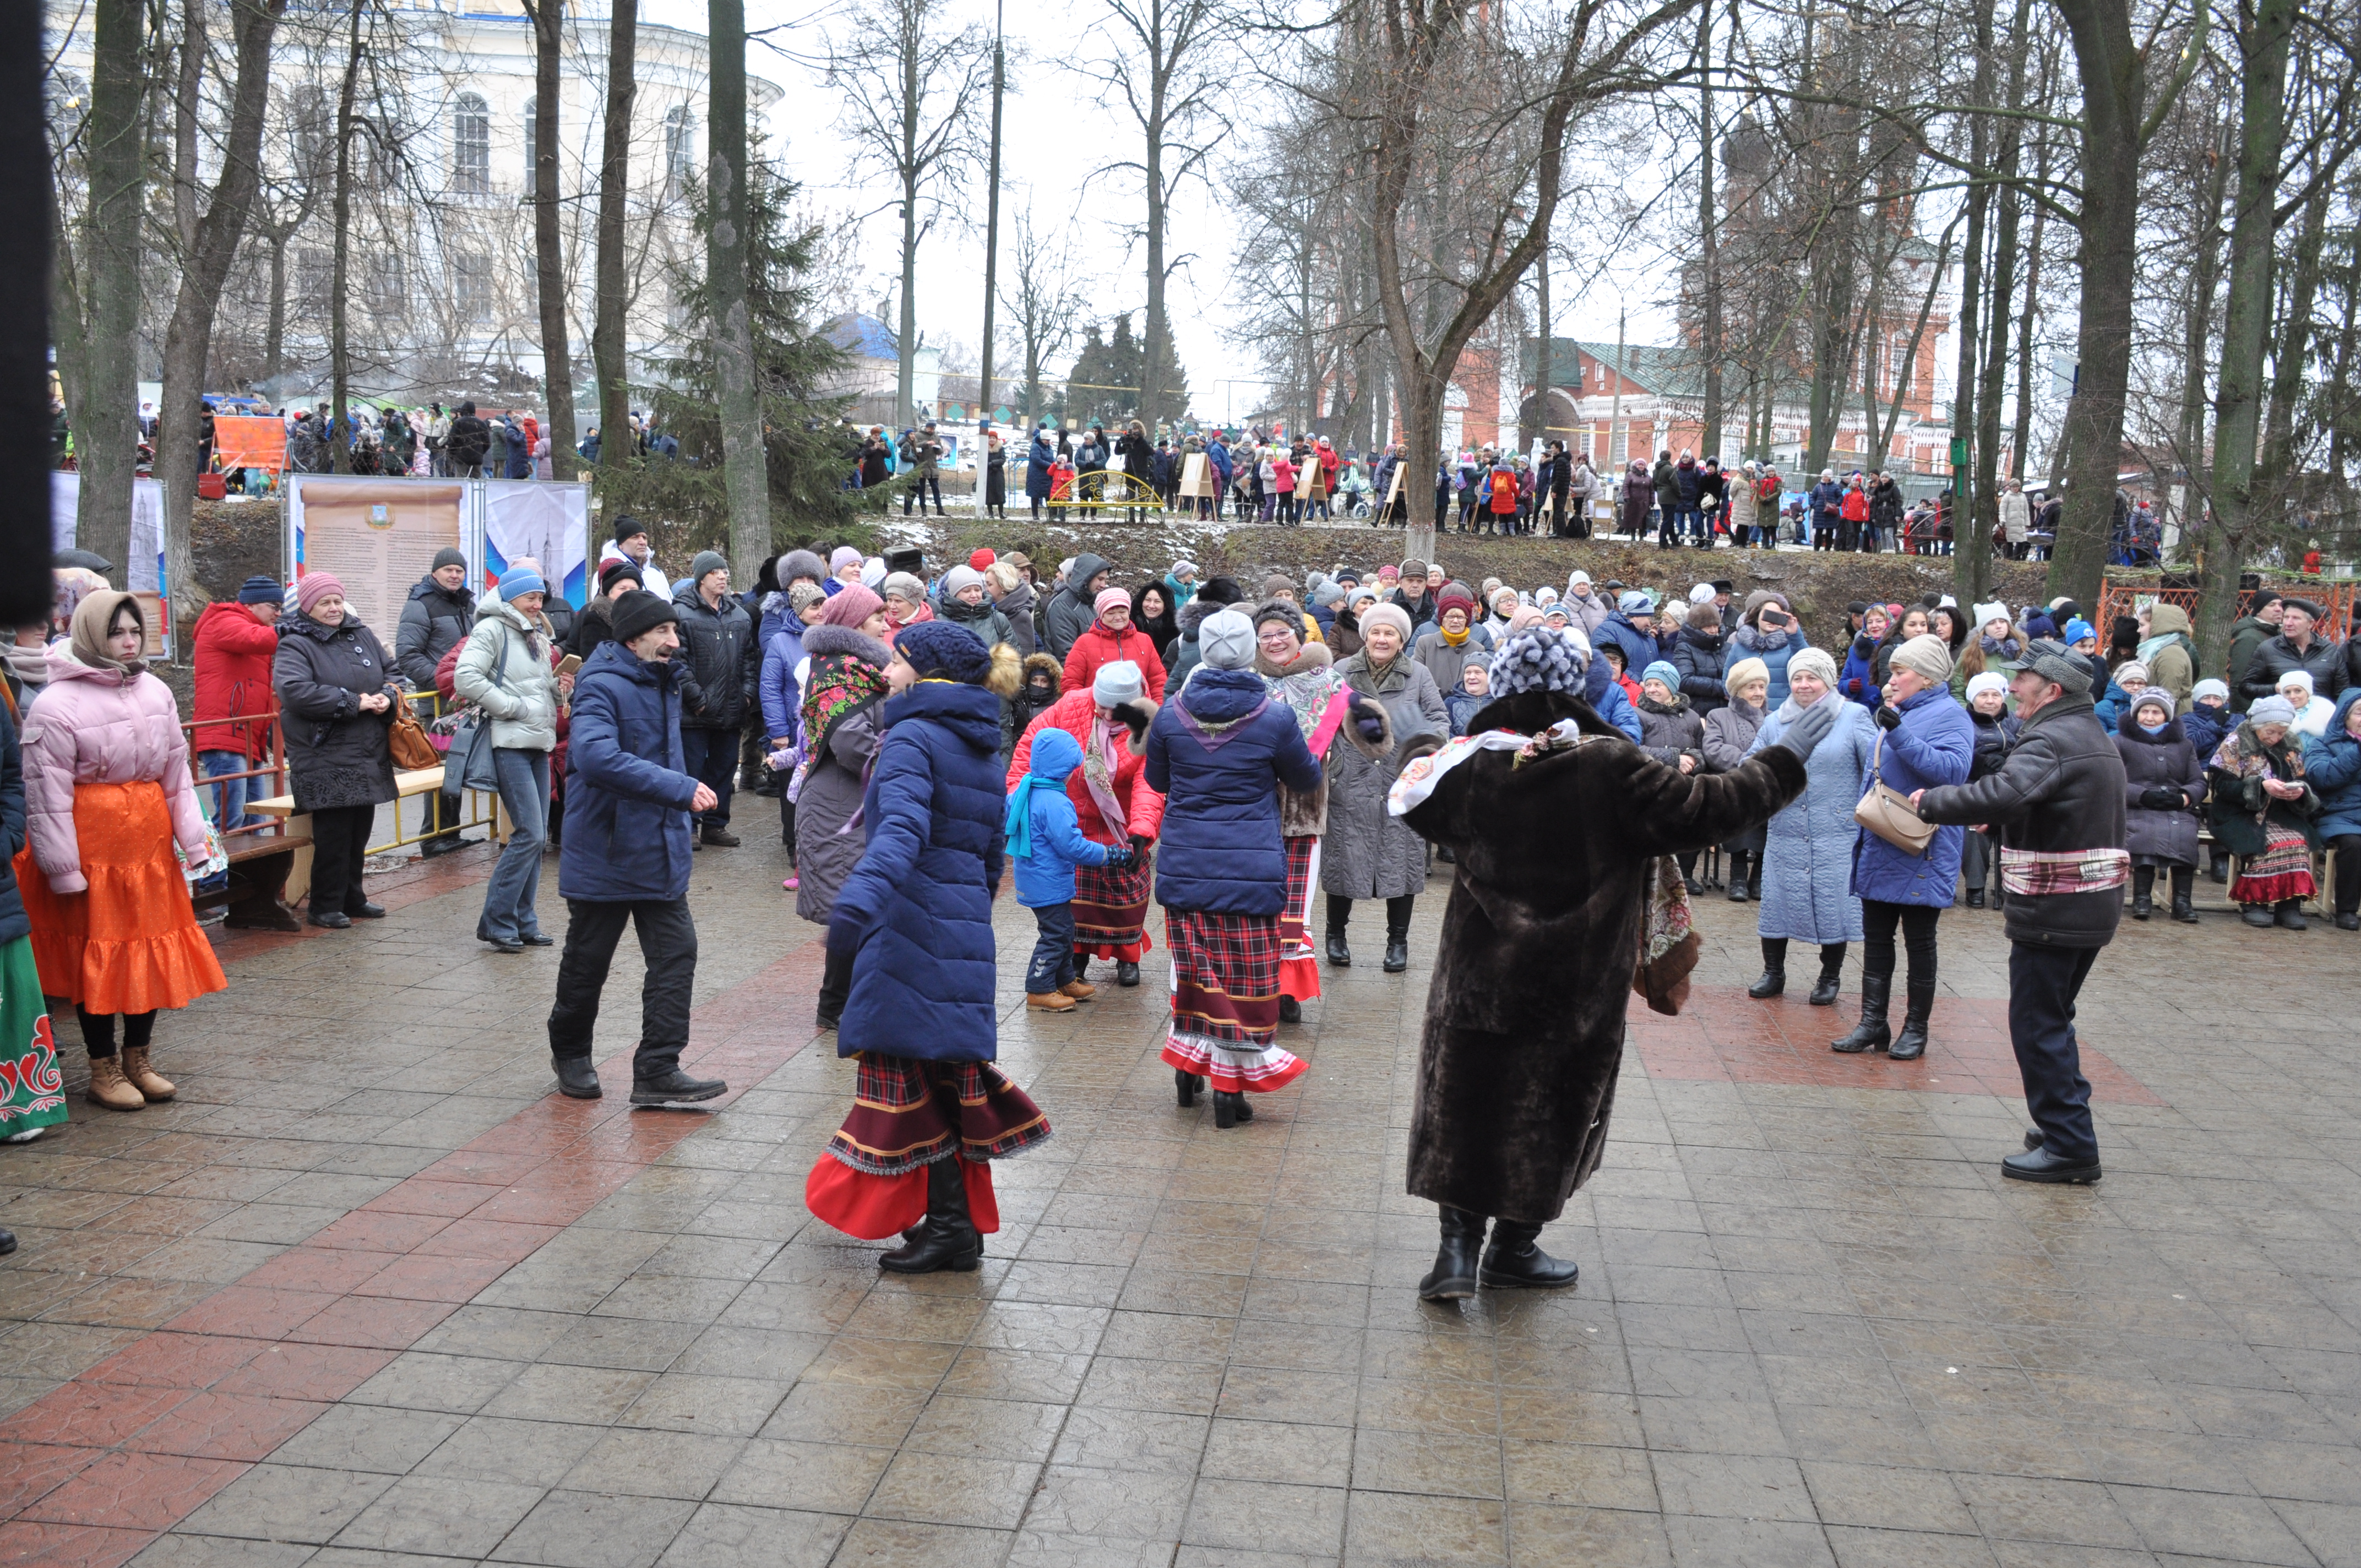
(2348, 873)
(509, 898)
(98, 1030)
(1053, 950)
(1877, 922)
(917, 492)
(2042, 985)
(668, 943)
(339, 848)
(711, 758)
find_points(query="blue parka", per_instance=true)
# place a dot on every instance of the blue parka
(2331, 764)
(1221, 848)
(1935, 744)
(782, 697)
(1857, 682)
(628, 787)
(1046, 875)
(1605, 695)
(1037, 458)
(2206, 726)
(1641, 648)
(919, 904)
(1806, 865)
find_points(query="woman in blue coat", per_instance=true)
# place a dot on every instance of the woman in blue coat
(1215, 753)
(1807, 855)
(1037, 458)
(916, 916)
(1768, 632)
(1928, 739)
(2332, 762)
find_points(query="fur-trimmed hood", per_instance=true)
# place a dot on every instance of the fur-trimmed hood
(1043, 663)
(1311, 656)
(826, 638)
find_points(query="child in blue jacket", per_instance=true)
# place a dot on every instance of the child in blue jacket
(1045, 840)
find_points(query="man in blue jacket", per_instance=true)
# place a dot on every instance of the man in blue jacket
(628, 798)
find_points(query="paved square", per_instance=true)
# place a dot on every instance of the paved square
(369, 1294)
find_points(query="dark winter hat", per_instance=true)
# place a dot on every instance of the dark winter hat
(1220, 590)
(1703, 617)
(449, 555)
(2056, 661)
(263, 590)
(2306, 606)
(945, 650)
(626, 526)
(706, 561)
(640, 612)
(614, 571)
(1281, 611)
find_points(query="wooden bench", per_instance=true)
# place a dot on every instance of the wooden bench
(255, 889)
(407, 783)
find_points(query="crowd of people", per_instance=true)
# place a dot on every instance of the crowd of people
(426, 441)
(1253, 757)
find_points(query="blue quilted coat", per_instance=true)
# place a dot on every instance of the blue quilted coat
(1807, 850)
(1934, 745)
(921, 896)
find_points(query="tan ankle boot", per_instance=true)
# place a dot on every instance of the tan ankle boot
(1080, 990)
(152, 1085)
(108, 1087)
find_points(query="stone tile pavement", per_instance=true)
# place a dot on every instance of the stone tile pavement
(371, 1295)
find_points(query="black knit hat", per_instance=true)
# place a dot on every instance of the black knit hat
(640, 612)
(626, 526)
(614, 571)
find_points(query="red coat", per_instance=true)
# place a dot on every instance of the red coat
(1075, 713)
(234, 654)
(1099, 646)
(1856, 506)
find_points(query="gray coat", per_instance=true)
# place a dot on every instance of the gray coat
(1807, 853)
(1368, 852)
(825, 853)
(521, 700)
(2159, 838)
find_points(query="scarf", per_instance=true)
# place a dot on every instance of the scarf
(1018, 825)
(2242, 753)
(91, 619)
(2157, 644)
(841, 686)
(1100, 761)
(1453, 639)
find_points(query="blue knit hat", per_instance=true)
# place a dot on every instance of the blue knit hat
(1658, 670)
(945, 649)
(518, 580)
(2078, 629)
(261, 590)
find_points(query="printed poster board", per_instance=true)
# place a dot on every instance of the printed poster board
(378, 536)
(145, 570)
(550, 522)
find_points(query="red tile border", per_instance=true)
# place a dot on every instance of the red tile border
(96, 1469)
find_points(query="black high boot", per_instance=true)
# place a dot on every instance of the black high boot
(1870, 1033)
(2143, 892)
(2290, 914)
(1515, 1258)
(1397, 935)
(1754, 876)
(1774, 970)
(1824, 990)
(1340, 913)
(1452, 1277)
(2184, 887)
(1737, 876)
(1919, 1010)
(946, 1237)
(835, 985)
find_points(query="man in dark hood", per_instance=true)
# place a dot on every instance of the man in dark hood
(1069, 611)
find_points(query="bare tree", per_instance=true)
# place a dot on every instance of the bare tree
(1043, 298)
(548, 18)
(608, 354)
(728, 183)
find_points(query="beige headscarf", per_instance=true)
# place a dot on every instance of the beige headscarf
(90, 619)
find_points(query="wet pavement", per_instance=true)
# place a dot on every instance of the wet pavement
(370, 1294)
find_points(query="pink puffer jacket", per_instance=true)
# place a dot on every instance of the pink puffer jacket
(94, 726)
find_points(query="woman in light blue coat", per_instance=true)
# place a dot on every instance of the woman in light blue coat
(1807, 852)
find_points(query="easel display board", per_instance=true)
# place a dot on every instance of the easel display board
(146, 569)
(1198, 479)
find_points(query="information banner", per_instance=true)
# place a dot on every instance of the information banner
(378, 536)
(251, 440)
(550, 522)
(146, 569)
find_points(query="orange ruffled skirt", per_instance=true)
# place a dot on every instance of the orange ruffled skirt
(129, 943)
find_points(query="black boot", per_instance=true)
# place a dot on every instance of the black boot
(1339, 954)
(1774, 970)
(673, 1087)
(2290, 914)
(1397, 935)
(1824, 990)
(1230, 1109)
(1870, 1033)
(2256, 914)
(1754, 876)
(576, 1079)
(2143, 892)
(946, 1238)
(1515, 1258)
(835, 985)
(1975, 898)
(1126, 972)
(2184, 886)
(1737, 876)
(1188, 1086)
(1452, 1277)
(1291, 1011)
(1919, 1010)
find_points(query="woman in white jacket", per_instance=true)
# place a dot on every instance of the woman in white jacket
(504, 672)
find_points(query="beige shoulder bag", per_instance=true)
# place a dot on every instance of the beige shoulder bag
(1888, 813)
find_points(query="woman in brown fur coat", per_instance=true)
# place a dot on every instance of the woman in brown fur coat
(1558, 822)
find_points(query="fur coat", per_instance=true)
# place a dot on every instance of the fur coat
(1304, 687)
(1523, 1033)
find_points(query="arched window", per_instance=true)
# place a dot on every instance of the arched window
(531, 149)
(471, 146)
(679, 148)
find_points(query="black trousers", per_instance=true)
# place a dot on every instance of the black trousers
(2348, 873)
(1398, 910)
(339, 849)
(917, 492)
(2043, 982)
(668, 943)
(1877, 922)
(712, 759)
(98, 1030)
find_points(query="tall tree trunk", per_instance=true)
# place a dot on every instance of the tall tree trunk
(187, 106)
(2263, 45)
(340, 353)
(2276, 468)
(1708, 243)
(274, 328)
(1972, 570)
(107, 425)
(609, 352)
(2019, 452)
(984, 403)
(906, 329)
(2197, 342)
(549, 237)
(211, 249)
(1975, 517)
(745, 468)
(1157, 335)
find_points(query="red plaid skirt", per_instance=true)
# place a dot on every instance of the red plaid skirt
(1226, 1000)
(1298, 968)
(907, 1113)
(1111, 910)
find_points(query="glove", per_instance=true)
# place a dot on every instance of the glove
(1889, 718)
(1811, 727)
(1118, 856)
(2161, 797)
(843, 935)
(1369, 725)
(1135, 717)
(1140, 842)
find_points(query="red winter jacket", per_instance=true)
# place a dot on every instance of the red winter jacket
(1856, 506)
(1099, 646)
(234, 654)
(1076, 713)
